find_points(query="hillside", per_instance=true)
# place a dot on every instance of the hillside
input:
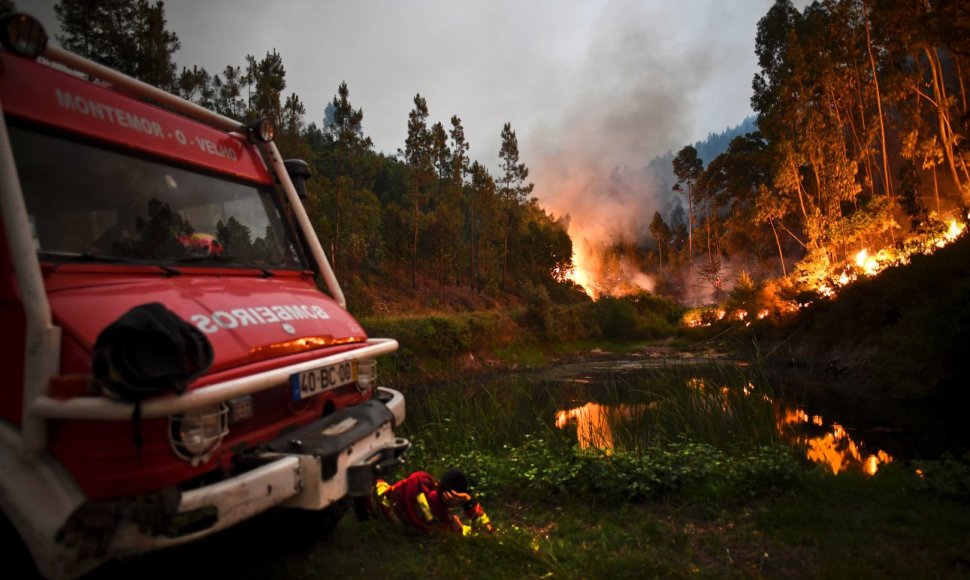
(902, 336)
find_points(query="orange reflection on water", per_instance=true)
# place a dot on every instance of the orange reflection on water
(592, 425)
(834, 448)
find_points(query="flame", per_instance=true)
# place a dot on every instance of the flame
(868, 264)
(953, 231)
(582, 275)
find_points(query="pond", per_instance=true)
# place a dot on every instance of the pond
(825, 441)
(637, 402)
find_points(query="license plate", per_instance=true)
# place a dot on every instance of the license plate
(313, 382)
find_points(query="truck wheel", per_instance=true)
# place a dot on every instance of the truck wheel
(17, 558)
(312, 526)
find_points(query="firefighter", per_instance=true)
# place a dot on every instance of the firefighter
(420, 502)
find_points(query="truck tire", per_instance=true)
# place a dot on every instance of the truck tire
(17, 558)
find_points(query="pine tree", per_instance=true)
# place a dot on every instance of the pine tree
(514, 190)
(418, 155)
(345, 132)
(126, 35)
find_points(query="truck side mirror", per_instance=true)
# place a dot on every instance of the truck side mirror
(299, 171)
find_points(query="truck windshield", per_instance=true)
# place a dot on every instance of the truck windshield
(90, 203)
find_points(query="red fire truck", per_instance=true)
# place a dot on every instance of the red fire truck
(116, 194)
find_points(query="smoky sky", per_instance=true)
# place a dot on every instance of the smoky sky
(593, 88)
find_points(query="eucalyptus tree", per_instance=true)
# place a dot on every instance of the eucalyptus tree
(688, 168)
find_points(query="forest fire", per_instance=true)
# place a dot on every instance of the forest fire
(600, 273)
(865, 264)
(826, 279)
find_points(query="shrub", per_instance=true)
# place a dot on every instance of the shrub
(538, 310)
(616, 318)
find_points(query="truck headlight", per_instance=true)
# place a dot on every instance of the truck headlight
(196, 434)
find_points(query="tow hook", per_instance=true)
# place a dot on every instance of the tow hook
(360, 476)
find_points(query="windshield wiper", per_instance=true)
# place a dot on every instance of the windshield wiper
(89, 257)
(212, 258)
(222, 259)
(81, 256)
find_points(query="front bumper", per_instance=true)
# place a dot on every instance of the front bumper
(311, 468)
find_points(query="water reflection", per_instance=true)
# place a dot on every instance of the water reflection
(593, 423)
(827, 444)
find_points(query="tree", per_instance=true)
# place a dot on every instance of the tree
(661, 234)
(7, 6)
(266, 80)
(228, 93)
(126, 35)
(345, 132)
(483, 220)
(418, 155)
(458, 169)
(196, 85)
(688, 168)
(514, 189)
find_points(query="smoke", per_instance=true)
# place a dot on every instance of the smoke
(643, 79)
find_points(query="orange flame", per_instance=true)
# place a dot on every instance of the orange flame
(582, 275)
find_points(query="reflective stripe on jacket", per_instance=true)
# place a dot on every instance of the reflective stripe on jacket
(414, 501)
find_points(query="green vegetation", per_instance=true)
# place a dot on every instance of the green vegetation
(448, 344)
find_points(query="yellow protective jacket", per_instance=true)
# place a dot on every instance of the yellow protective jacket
(415, 502)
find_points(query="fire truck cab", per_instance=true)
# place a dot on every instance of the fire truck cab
(115, 194)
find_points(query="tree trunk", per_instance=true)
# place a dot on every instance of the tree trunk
(781, 255)
(942, 114)
(414, 247)
(336, 227)
(505, 251)
(887, 178)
